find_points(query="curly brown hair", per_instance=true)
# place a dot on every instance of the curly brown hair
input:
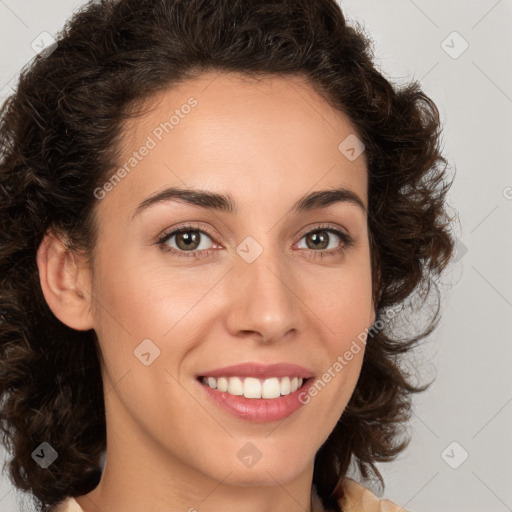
(59, 139)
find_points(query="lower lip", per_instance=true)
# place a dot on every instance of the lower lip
(258, 410)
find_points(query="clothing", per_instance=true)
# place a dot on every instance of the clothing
(358, 499)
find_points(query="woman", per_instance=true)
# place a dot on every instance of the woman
(212, 212)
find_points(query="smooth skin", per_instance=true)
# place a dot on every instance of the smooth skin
(266, 143)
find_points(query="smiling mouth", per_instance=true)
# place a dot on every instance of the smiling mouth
(254, 387)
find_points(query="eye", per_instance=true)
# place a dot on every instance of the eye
(325, 241)
(186, 239)
(190, 241)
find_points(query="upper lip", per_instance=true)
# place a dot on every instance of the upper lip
(260, 370)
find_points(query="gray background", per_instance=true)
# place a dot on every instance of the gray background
(470, 352)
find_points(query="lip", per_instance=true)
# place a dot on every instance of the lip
(259, 370)
(258, 410)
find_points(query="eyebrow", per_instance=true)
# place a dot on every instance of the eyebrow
(225, 203)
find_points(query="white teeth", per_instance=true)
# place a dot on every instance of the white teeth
(235, 386)
(271, 388)
(222, 384)
(285, 386)
(252, 387)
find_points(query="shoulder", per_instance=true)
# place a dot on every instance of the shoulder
(358, 498)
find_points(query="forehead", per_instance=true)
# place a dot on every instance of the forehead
(270, 137)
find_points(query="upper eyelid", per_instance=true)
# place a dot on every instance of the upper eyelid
(186, 227)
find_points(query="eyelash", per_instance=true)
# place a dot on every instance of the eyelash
(347, 240)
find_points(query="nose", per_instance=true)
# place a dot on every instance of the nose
(263, 300)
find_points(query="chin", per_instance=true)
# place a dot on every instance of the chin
(266, 471)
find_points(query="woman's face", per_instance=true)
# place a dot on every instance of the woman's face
(260, 283)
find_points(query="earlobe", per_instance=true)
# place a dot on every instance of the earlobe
(65, 285)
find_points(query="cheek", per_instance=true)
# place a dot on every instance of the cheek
(144, 300)
(341, 299)
(341, 303)
(167, 306)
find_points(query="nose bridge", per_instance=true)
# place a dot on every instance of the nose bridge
(262, 289)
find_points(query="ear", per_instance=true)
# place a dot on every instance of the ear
(66, 286)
